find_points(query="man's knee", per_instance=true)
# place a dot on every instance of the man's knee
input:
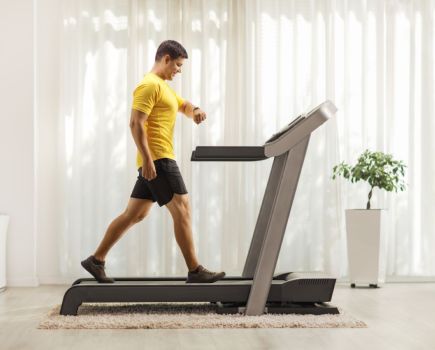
(179, 206)
(135, 217)
(137, 210)
(139, 217)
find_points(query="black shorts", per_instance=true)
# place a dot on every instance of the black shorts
(162, 188)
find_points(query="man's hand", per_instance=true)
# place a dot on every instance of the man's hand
(149, 169)
(199, 116)
(196, 113)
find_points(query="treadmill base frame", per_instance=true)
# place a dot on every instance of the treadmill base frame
(282, 308)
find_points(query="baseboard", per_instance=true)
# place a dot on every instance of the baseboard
(410, 279)
(398, 279)
(58, 280)
(22, 282)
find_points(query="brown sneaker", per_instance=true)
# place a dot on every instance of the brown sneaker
(96, 269)
(202, 275)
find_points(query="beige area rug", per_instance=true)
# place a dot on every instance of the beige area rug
(178, 315)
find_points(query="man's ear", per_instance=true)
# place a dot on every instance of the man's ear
(166, 58)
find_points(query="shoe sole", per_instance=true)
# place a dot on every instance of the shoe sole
(217, 278)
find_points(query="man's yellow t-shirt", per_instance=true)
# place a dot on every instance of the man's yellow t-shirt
(154, 97)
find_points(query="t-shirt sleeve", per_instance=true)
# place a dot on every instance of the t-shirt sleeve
(180, 100)
(145, 96)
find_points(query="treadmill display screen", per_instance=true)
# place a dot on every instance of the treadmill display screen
(286, 128)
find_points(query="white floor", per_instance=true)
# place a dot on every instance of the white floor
(399, 316)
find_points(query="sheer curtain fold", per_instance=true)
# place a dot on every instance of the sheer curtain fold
(253, 66)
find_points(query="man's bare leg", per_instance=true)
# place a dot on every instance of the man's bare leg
(136, 211)
(179, 208)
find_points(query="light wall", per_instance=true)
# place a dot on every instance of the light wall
(29, 95)
(48, 60)
(17, 126)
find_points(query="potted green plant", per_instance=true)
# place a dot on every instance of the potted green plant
(364, 227)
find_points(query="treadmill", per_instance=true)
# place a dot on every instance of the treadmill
(257, 290)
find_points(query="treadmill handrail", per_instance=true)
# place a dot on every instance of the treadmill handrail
(228, 153)
(281, 142)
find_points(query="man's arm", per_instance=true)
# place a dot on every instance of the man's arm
(137, 120)
(191, 111)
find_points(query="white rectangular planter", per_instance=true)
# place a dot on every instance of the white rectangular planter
(366, 246)
(4, 221)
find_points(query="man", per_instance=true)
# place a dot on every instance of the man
(153, 114)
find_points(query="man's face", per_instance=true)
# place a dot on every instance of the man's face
(172, 67)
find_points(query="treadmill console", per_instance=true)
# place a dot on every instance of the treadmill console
(286, 128)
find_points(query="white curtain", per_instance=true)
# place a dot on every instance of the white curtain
(253, 66)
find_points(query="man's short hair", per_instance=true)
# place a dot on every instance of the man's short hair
(172, 48)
